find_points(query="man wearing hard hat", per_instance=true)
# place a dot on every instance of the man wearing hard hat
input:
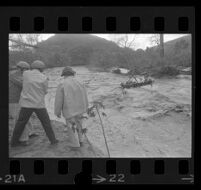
(15, 88)
(71, 100)
(32, 100)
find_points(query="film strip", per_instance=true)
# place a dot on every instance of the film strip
(68, 20)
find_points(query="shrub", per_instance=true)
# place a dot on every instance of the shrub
(167, 71)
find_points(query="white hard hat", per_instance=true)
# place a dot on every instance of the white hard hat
(23, 65)
(38, 65)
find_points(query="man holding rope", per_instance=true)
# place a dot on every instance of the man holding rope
(15, 89)
(35, 86)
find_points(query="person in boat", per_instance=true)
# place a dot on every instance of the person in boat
(72, 102)
(146, 77)
(132, 77)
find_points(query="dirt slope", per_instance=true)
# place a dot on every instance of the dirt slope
(40, 146)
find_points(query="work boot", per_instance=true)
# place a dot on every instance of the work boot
(55, 142)
(20, 143)
(81, 144)
(33, 135)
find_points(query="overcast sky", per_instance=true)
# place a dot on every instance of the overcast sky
(141, 40)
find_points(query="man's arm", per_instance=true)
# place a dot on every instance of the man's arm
(59, 99)
(16, 79)
(46, 86)
(86, 97)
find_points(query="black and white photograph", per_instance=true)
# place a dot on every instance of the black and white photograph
(100, 95)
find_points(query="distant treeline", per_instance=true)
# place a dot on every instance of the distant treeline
(104, 54)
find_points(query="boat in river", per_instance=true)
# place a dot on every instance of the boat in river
(134, 84)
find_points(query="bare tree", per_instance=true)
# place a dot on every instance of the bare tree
(23, 41)
(125, 40)
(155, 39)
(32, 39)
(158, 39)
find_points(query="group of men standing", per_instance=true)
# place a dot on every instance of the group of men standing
(27, 89)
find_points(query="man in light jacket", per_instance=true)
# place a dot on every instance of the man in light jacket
(35, 86)
(71, 100)
(15, 89)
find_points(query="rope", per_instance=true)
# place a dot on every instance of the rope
(103, 132)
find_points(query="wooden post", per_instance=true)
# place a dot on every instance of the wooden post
(103, 132)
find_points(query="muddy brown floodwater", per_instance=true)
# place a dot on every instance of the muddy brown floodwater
(145, 122)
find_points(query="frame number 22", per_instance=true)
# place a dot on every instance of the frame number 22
(116, 178)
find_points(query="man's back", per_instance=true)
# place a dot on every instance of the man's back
(35, 87)
(71, 98)
(75, 96)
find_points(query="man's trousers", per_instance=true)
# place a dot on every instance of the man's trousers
(24, 115)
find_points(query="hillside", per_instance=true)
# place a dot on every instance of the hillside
(70, 41)
(90, 50)
(178, 51)
(75, 49)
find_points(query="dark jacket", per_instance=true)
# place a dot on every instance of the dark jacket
(15, 86)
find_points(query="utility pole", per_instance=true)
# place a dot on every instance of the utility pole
(161, 45)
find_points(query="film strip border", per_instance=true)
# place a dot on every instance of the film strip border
(87, 24)
(94, 20)
(99, 171)
(100, 19)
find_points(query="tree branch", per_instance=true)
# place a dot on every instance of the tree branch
(23, 43)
